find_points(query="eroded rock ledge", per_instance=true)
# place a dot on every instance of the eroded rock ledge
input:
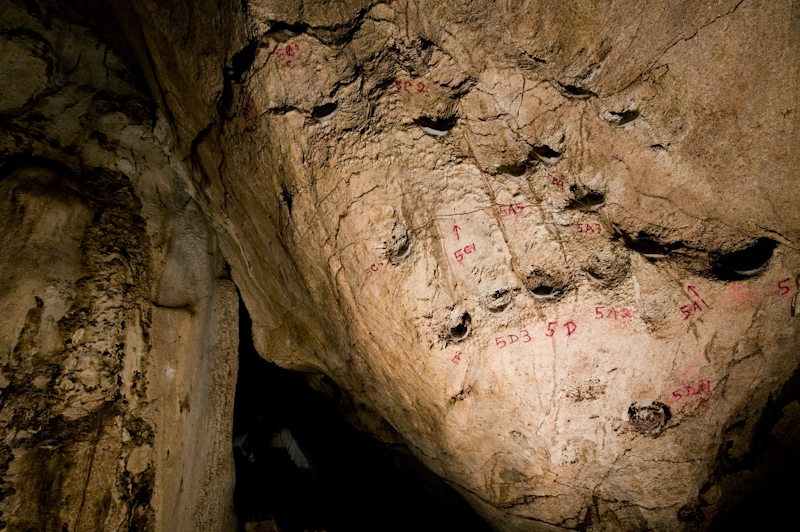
(549, 246)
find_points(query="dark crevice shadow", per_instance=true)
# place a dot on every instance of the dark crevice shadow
(358, 483)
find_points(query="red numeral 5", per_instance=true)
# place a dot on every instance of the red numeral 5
(785, 290)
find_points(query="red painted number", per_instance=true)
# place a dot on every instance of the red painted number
(513, 338)
(373, 268)
(511, 209)
(701, 389)
(570, 328)
(695, 306)
(466, 250)
(783, 288)
(457, 358)
(623, 314)
(410, 87)
(589, 227)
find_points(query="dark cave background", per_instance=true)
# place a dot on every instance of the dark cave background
(360, 484)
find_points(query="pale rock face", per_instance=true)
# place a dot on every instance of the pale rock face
(552, 244)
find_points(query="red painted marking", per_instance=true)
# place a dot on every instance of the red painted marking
(589, 227)
(457, 358)
(554, 181)
(374, 267)
(623, 314)
(783, 289)
(741, 295)
(695, 306)
(248, 107)
(570, 327)
(511, 209)
(466, 250)
(286, 51)
(701, 390)
(456, 229)
(409, 87)
(508, 339)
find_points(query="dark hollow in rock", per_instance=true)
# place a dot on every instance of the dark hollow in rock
(242, 61)
(436, 126)
(400, 248)
(545, 292)
(546, 154)
(648, 247)
(283, 31)
(744, 263)
(324, 112)
(620, 119)
(649, 419)
(543, 285)
(574, 91)
(498, 302)
(286, 196)
(514, 170)
(589, 202)
(461, 331)
(690, 513)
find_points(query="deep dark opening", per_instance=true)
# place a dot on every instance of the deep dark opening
(746, 262)
(460, 331)
(323, 112)
(545, 292)
(358, 484)
(514, 170)
(588, 202)
(648, 246)
(574, 91)
(546, 154)
(436, 125)
(622, 118)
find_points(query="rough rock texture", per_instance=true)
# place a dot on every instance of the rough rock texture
(550, 246)
(119, 331)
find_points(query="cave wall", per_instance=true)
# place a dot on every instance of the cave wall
(119, 333)
(549, 246)
(552, 244)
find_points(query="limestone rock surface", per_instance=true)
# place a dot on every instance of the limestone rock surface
(119, 331)
(553, 244)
